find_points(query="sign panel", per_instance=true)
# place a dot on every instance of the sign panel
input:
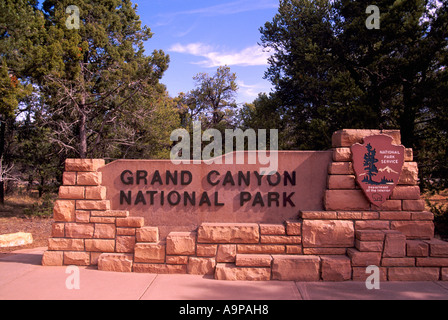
(378, 164)
(185, 195)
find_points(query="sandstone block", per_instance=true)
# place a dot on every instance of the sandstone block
(64, 210)
(406, 193)
(336, 268)
(341, 182)
(52, 258)
(125, 244)
(253, 260)
(346, 200)
(414, 229)
(96, 193)
(111, 213)
(272, 229)
(82, 216)
(370, 235)
(201, 266)
(76, 258)
(324, 251)
(147, 234)
(398, 262)
(438, 248)
(127, 232)
(100, 245)
(58, 230)
(422, 216)
(372, 225)
(176, 259)
(409, 174)
(104, 231)
(364, 259)
(79, 230)
(417, 248)
(206, 250)
(328, 233)
(389, 205)
(296, 268)
(394, 244)
(349, 215)
(181, 243)
(149, 252)
(413, 274)
(130, 222)
(226, 253)
(293, 228)
(432, 262)
(370, 215)
(261, 248)
(395, 215)
(319, 215)
(92, 205)
(228, 233)
(109, 220)
(348, 137)
(342, 154)
(160, 268)
(71, 192)
(227, 271)
(15, 239)
(341, 168)
(89, 178)
(69, 178)
(117, 262)
(414, 205)
(281, 239)
(375, 246)
(83, 164)
(58, 244)
(294, 249)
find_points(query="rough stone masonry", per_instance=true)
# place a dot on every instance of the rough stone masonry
(335, 242)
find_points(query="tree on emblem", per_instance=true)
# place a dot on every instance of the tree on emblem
(369, 164)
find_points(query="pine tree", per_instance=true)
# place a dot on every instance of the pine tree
(369, 163)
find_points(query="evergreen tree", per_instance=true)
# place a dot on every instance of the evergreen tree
(93, 75)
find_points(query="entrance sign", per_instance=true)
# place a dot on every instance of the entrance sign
(378, 164)
(174, 196)
(236, 220)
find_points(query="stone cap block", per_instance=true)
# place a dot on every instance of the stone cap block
(84, 165)
(348, 137)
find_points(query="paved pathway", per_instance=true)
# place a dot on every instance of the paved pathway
(22, 277)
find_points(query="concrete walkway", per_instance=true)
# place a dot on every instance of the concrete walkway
(22, 278)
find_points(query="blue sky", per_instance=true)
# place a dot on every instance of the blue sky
(201, 35)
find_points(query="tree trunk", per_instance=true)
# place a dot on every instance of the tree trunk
(2, 150)
(82, 137)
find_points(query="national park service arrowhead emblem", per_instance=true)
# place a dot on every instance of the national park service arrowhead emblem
(378, 164)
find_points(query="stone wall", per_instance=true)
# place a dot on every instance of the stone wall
(332, 245)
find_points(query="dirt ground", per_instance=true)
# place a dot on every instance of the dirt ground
(12, 220)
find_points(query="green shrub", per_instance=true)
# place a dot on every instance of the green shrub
(43, 209)
(440, 218)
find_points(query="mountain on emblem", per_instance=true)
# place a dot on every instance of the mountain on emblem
(378, 164)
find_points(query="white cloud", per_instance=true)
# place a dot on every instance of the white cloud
(249, 92)
(250, 56)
